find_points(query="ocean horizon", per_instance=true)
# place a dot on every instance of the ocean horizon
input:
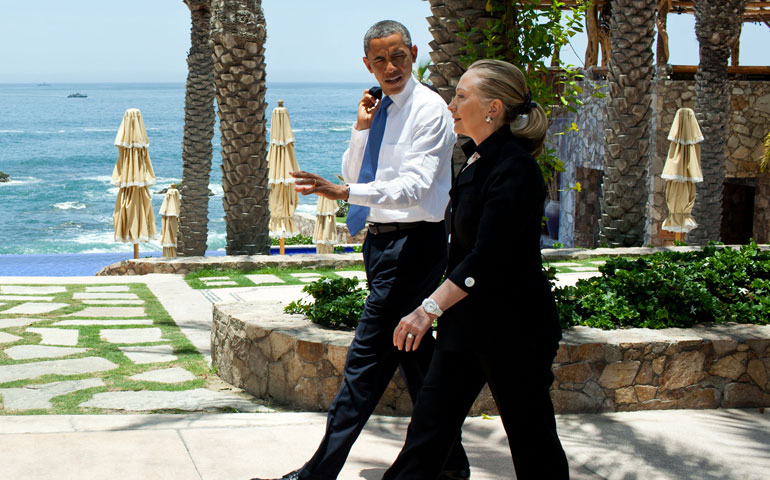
(59, 153)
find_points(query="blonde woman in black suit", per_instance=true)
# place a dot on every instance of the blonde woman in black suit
(499, 324)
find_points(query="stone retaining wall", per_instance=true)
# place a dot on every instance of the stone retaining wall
(306, 224)
(184, 265)
(258, 348)
(723, 366)
(284, 357)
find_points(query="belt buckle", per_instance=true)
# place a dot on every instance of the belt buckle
(379, 229)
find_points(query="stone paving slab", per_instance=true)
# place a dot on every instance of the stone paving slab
(108, 288)
(166, 375)
(207, 279)
(264, 278)
(149, 354)
(131, 335)
(56, 336)
(28, 352)
(8, 338)
(189, 400)
(585, 269)
(11, 373)
(39, 396)
(351, 274)
(32, 308)
(109, 312)
(27, 290)
(104, 296)
(113, 302)
(221, 283)
(25, 298)
(570, 279)
(18, 322)
(305, 275)
(283, 293)
(103, 321)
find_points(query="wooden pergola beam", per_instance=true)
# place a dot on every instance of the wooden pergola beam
(756, 11)
(731, 69)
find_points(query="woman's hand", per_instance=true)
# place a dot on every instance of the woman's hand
(410, 330)
(307, 183)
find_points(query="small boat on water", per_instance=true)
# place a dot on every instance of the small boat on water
(77, 95)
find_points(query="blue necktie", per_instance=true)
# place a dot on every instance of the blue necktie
(357, 213)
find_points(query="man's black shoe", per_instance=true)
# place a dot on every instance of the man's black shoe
(289, 476)
(463, 474)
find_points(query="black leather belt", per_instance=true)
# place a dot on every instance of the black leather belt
(380, 228)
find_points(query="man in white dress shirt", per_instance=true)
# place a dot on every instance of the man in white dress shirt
(405, 248)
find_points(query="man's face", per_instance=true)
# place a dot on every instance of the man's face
(390, 60)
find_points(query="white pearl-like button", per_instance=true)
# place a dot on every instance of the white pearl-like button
(470, 281)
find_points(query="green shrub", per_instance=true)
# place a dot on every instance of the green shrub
(672, 289)
(295, 240)
(339, 302)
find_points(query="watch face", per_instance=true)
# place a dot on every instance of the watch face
(430, 306)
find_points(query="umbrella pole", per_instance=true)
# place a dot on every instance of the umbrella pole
(678, 236)
(136, 250)
(283, 246)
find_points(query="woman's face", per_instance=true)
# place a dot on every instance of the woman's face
(468, 110)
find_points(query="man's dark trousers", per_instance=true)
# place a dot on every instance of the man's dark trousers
(402, 268)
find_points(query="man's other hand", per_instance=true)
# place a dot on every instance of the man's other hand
(307, 183)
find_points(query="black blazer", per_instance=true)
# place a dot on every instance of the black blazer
(494, 252)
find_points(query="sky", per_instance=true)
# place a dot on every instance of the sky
(80, 41)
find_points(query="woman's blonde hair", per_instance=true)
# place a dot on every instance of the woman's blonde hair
(501, 80)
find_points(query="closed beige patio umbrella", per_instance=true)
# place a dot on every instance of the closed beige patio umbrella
(169, 221)
(682, 171)
(280, 161)
(133, 217)
(325, 232)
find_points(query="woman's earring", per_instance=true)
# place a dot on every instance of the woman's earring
(487, 119)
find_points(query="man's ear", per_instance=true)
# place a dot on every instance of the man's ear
(368, 66)
(414, 53)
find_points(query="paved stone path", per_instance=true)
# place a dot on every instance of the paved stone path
(42, 326)
(42, 347)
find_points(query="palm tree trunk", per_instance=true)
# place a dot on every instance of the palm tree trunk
(717, 26)
(447, 45)
(198, 132)
(238, 38)
(625, 188)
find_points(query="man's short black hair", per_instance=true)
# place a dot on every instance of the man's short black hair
(386, 28)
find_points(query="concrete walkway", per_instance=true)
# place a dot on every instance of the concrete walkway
(673, 444)
(679, 444)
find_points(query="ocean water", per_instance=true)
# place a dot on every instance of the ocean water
(59, 153)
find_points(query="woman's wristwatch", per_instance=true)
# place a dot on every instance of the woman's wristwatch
(430, 306)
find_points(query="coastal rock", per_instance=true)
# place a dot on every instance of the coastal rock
(4, 177)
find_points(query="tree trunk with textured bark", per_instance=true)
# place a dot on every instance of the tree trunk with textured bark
(446, 47)
(717, 26)
(625, 189)
(198, 132)
(238, 37)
